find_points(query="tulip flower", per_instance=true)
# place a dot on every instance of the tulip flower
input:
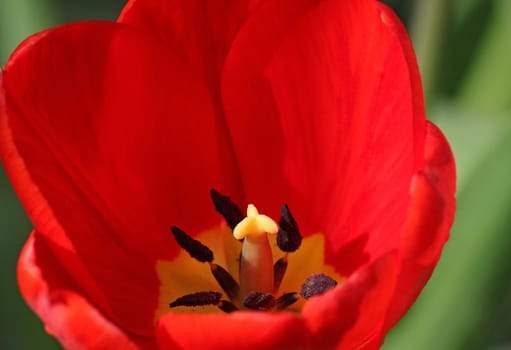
(207, 174)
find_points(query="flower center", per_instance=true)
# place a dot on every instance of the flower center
(261, 266)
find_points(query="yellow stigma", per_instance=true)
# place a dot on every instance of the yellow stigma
(255, 224)
(256, 265)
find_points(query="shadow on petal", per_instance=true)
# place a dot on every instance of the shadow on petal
(66, 313)
(351, 315)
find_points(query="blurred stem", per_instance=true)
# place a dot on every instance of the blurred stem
(429, 19)
(488, 84)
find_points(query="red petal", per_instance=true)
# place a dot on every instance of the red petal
(324, 106)
(350, 316)
(67, 314)
(347, 317)
(239, 330)
(430, 217)
(200, 32)
(109, 139)
(397, 29)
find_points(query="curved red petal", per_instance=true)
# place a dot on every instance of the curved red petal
(239, 330)
(430, 217)
(324, 108)
(200, 32)
(351, 315)
(109, 139)
(396, 27)
(66, 313)
(250, 111)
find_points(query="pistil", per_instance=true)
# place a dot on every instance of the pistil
(256, 266)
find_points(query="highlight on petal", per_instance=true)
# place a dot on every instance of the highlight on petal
(67, 314)
(329, 94)
(393, 24)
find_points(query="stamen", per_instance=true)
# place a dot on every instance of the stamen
(225, 280)
(196, 249)
(259, 301)
(286, 300)
(227, 306)
(279, 270)
(197, 299)
(227, 208)
(317, 284)
(258, 276)
(289, 238)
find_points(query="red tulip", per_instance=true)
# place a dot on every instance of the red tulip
(111, 133)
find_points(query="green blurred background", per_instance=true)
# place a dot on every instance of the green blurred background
(464, 52)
